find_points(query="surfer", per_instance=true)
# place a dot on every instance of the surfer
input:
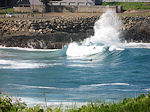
(94, 47)
(79, 43)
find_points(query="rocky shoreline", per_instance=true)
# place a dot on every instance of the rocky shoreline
(54, 33)
(136, 29)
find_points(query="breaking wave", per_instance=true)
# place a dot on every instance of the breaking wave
(106, 35)
(107, 31)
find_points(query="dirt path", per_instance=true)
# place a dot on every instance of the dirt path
(51, 15)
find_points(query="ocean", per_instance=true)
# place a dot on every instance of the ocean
(99, 68)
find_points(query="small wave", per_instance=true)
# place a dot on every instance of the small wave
(108, 84)
(148, 89)
(7, 64)
(95, 86)
(28, 64)
(27, 86)
(128, 90)
(137, 45)
(112, 48)
(27, 49)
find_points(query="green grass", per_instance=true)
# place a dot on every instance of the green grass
(4, 11)
(134, 14)
(130, 5)
(137, 104)
(11, 10)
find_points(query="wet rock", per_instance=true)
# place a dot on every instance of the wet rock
(43, 41)
(56, 32)
(136, 29)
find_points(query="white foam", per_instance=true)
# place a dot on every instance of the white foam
(76, 50)
(137, 45)
(106, 33)
(8, 64)
(107, 84)
(148, 89)
(107, 29)
(22, 64)
(113, 47)
(27, 49)
(28, 86)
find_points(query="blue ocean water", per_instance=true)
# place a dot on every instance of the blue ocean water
(99, 68)
(110, 75)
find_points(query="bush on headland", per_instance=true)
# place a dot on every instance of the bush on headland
(130, 5)
(5, 11)
(137, 104)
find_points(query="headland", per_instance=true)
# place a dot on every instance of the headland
(54, 30)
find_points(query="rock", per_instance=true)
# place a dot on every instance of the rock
(56, 32)
(137, 33)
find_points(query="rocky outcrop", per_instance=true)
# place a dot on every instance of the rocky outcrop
(46, 41)
(56, 32)
(136, 29)
(43, 26)
(45, 33)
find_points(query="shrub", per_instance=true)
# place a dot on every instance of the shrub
(137, 104)
(129, 5)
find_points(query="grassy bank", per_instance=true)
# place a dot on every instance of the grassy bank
(135, 14)
(137, 104)
(5, 11)
(130, 5)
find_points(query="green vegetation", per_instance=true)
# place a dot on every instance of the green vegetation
(130, 5)
(137, 104)
(141, 14)
(11, 10)
(4, 11)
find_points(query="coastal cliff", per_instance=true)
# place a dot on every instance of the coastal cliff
(54, 33)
